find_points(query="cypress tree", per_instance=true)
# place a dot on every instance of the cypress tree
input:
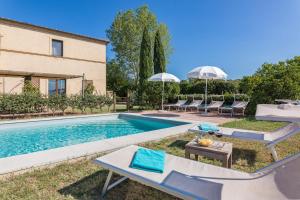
(146, 63)
(159, 59)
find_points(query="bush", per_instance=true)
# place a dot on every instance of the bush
(101, 101)
(53, 103)
(153, 93)
(108, 102)
(35, 102)
(273, 81)
(213, 86)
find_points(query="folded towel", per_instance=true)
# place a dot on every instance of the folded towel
(149, 160)
(206, 127)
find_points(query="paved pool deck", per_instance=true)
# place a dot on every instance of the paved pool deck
(193, 116)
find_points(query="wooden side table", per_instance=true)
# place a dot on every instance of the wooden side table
(218, 150)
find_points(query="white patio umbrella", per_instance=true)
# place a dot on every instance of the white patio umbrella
(207, 72)
(164, 77)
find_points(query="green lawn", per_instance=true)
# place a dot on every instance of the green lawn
(252, 124)
(84, 180)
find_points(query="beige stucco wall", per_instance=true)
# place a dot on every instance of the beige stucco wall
(30, 50)
(11, 85)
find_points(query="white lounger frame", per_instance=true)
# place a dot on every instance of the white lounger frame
(270, 144)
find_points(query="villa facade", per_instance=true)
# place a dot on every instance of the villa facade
(56, 62)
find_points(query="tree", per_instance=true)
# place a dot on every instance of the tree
(89, 90)
(159, 59)
(125, 35)
(146, 64)
(273, 81)
(116, 78)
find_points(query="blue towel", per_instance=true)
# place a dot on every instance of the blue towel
(206, 127)
(149, 160)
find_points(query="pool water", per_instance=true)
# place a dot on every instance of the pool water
(22, 138)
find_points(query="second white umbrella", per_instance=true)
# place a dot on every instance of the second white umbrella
(164, 77)
(207, 72)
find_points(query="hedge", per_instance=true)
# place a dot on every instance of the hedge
(37, 103)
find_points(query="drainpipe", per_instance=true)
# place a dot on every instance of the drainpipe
(0, 42)
(3, 85)
(3, 79)
(82, 84)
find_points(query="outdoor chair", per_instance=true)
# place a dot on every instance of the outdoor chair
(212, 106)
(194, 104)
(270, 139)
(237, 107)
(189, 179)
(176, 105)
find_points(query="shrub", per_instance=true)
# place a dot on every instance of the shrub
(63, 103)
(53, 103)
(101, 101)
(273, 81)
(109, 101)
(90, 101)
(35, 102)
(89, 90)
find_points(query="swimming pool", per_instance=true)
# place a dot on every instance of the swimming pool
(27, 137)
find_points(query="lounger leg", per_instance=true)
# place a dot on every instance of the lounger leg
(106, 183)
(108, 187)
(274, 153)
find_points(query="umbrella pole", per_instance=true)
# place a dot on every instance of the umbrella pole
(162, 96)
(205, 96)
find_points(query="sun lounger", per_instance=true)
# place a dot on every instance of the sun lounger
(176, 105)
(189, 179)
(270, 139)
(214, 105)
(236, 108)
(288, 101)
(283, 112)
(194, 104)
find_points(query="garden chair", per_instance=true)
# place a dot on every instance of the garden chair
(189, 179)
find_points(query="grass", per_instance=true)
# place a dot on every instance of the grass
(256, 125)
(84, 180)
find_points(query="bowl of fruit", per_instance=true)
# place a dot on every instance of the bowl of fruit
(205, 142)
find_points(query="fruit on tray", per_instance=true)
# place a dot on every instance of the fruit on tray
(205, 142)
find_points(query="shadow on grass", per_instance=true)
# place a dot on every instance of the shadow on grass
(90, 187)
(244, 154)
(179, 144)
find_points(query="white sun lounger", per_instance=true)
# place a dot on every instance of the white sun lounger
(284, 112)
(270, 139)
(188, 179)
(236, 108)
(214, 105)
(176, 105)
(194, 104)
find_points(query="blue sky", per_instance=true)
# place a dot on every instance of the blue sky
(237, 36)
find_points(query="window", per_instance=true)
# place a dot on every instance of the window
(56, 86)
(57, 48)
